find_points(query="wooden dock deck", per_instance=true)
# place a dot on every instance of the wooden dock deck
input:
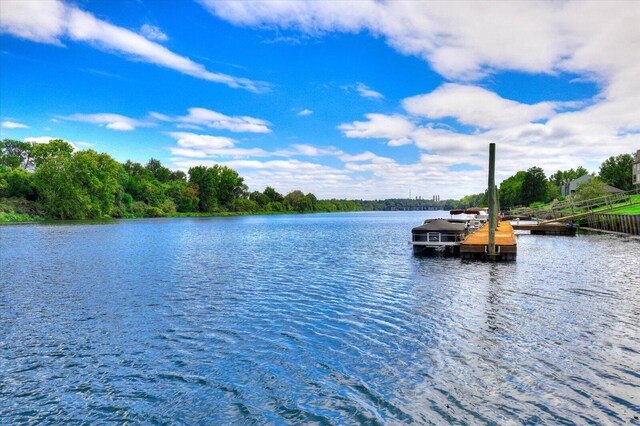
(547, 228)
(476, 245)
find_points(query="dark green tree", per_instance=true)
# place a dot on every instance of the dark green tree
(16, 182)
(534, 186)
(511, 190)
(294, 200)
(261, 199)
(273, 195)
(617, 171)
(15, 153)
(560, 176)
(160, 172)
(202, 178)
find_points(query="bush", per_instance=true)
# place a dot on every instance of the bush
(592, 188)
(168, 206)
(245, 205)
(151, 211)
(16, 182)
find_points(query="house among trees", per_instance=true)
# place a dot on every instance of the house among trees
(569, 187)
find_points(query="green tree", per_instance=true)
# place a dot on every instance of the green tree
(560, 176)
(311, 202)
(553, 191)
(201, 178)
(295, 201)
(510, 191)
(229, 185)
(143, 185)
(85, 185)
(178, 175)
(160, 172)
(273, 195)
(15, 153)
(593, 188)
(189, 199)
(534, 186)
(56, 148)
(617, 171)
(16, 182)
(245, 205)
(261, 199)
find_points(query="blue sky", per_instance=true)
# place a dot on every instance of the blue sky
(357, 100)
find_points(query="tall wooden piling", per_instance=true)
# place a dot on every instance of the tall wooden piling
(493, 222)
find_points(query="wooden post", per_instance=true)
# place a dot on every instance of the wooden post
(491, 201)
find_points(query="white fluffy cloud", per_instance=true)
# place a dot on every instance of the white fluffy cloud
(14, 125)
(53, 21)
(305, 112)
(192, 140)
(110, 121)
(467, 39)
(378, 126)
(475, 106)
(192, 145)
(216, 120)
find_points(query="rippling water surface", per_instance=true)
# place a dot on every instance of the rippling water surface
(327, 319)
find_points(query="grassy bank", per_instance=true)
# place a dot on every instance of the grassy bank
(16, 210)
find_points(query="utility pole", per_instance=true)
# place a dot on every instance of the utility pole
(492, 202)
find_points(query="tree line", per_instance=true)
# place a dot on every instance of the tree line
(526, 188)
(63, 183)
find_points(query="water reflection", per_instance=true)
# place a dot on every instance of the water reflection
(321, 319)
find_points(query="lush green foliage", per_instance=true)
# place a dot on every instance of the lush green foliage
(511, 190)
(86, 185)
(560, 176)
(593, 188)
(528, 188)
(617, 171)
(534, 186)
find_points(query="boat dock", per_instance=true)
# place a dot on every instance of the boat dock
(476, 245)
(547, 228)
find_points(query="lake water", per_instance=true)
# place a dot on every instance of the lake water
(325, 318)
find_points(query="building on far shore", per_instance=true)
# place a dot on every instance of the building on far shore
(569, 187)
(636, 169)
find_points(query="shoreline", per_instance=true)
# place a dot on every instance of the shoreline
(43, 220)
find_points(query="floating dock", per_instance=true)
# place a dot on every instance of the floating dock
(547, 228)
(476, 245)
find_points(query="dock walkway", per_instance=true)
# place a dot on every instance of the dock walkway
(475, 245)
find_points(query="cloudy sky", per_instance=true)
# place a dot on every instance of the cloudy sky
(366, 99)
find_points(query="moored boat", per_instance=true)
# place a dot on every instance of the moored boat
(434, 234)
(447, 234)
